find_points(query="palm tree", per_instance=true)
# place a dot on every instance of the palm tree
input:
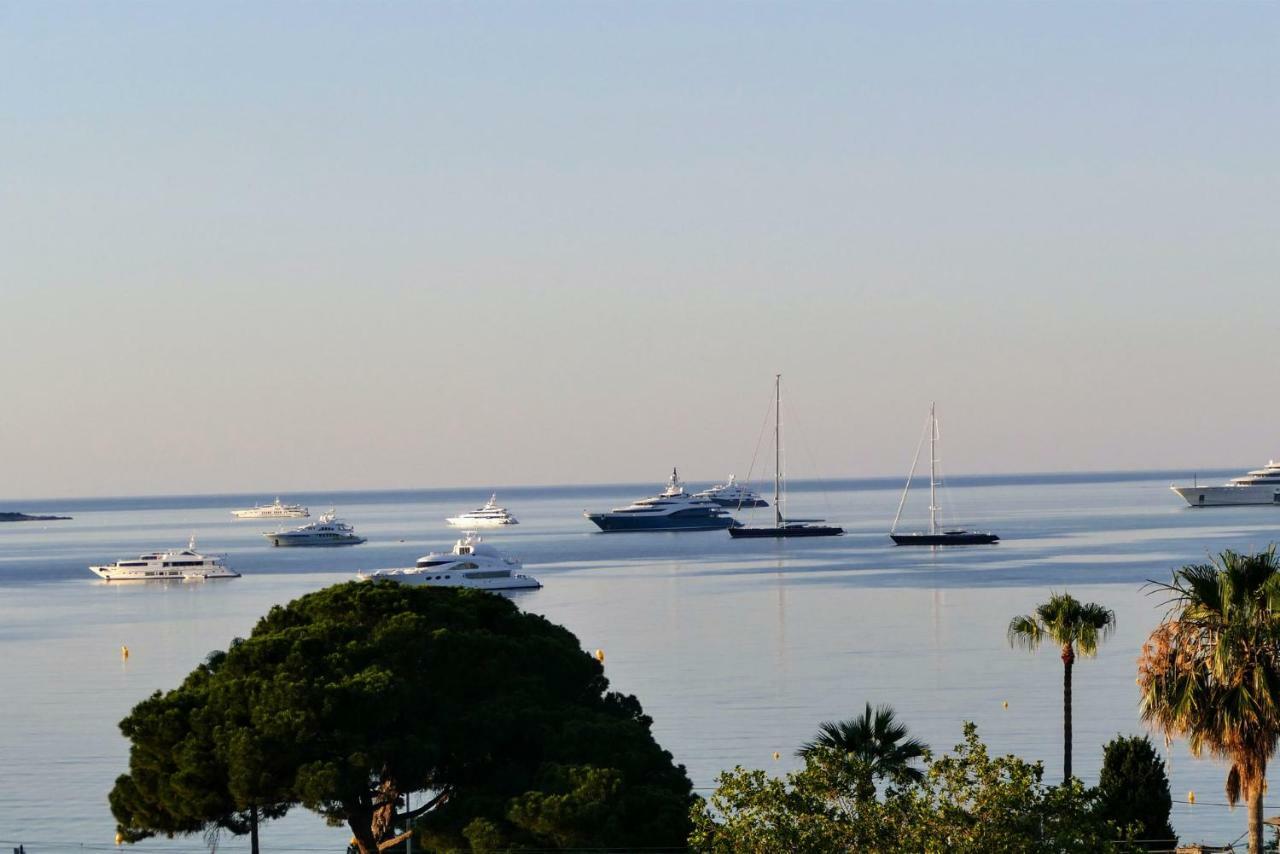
(1077, 627)
(1210, 672)
(876, 742)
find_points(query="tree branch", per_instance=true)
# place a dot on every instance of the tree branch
(434, 802)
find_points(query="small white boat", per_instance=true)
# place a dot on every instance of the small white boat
(488, 516)
(174, 565)
(327, 531)
(472, 563)
(273, 511)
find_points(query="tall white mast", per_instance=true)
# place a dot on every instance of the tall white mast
(777, 450)
(933, 471)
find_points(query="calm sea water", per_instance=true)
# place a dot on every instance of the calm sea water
(736, 648)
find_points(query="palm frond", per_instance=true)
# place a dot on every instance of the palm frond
(1026, 632)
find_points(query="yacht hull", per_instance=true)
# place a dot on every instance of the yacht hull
(296, 542)
(735, 504)
(111, 574)
(444, 577)
(469, 524)
(961, 538)
(786, 531)
(612, 523)
(1228, 496)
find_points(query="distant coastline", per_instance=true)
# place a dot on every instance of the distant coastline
(23, 517)
(347, 496)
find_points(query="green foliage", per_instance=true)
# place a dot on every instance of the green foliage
(876, 744)
(967, 802)
(1066, 621)
(1076, 627)
(348, 698)
(1133, 790)
(1210, 672)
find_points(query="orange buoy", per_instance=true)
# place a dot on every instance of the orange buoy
(124, 651)
(600, 655)
(776, 756)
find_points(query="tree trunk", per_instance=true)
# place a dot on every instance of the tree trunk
(253, 829)
(1255, 818)
(1068, 660)
(361, 824)
(384, 810)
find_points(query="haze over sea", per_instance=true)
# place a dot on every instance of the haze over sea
(736, 648)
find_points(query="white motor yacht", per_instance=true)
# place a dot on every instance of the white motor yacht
(174, 565)
(1260, 486)
(488, 516)
(472, 563)
(327, 531)
(732, 494)
(273, 511)
(672, 510)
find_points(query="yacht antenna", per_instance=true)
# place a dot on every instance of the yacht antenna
(933, 471)
(777, 450)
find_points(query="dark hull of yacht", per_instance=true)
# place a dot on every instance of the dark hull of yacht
(613, 522)
(946, 538)
(313, 542)
(786, 531)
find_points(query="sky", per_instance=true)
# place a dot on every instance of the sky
(301, 246)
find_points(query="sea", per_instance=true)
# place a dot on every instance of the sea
(738, 649)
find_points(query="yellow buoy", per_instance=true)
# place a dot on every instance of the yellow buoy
(1006, 704)
(124, 651)
(600, 655)
(776, 756)
(119, 839)
(1191, 797)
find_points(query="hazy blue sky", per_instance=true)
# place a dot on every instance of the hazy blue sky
(274, 246)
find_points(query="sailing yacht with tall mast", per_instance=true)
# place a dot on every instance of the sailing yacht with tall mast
(936, 535)
(782, 527)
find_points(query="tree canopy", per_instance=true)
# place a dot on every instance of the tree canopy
(968, 801)
(1133, 791)
(1210, 672)
(1075, 626)
(346, 699)
(876, 745)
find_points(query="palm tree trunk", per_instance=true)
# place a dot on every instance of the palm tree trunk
(1068, 660)
(1255, 819)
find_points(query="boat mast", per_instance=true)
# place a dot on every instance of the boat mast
(933, 471)
(777, 450)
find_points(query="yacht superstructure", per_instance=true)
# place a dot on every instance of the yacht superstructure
(275, 510)
(672, 510)
(173, 565)
(488, 516)
(1260, 486)
(328, 530)
(732, 494)
(472, 563)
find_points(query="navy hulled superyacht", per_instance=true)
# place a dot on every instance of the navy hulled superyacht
(673, 510)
